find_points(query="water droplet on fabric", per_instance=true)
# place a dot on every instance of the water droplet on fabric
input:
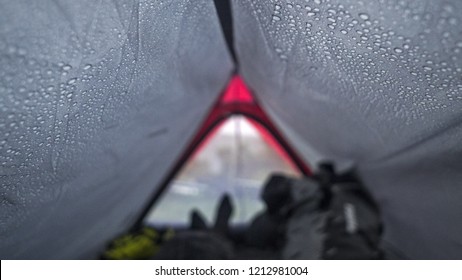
(363, 16)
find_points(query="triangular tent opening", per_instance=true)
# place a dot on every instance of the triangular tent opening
(236, 159)
(234, 151)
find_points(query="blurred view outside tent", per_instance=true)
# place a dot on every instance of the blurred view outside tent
(237, 159)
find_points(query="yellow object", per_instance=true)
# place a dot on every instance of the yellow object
(137, 246)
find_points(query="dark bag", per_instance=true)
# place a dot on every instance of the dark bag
(326, 216)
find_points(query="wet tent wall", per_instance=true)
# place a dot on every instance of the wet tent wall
(377, 84)
(97, 100)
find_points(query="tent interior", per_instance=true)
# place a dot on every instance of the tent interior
(101, 100)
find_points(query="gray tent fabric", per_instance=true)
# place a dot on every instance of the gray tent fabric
(376, 84)
(98, 98)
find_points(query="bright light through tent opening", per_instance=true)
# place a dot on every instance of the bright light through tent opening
(236, 158)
